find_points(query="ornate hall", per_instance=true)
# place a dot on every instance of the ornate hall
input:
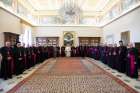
(69, 46)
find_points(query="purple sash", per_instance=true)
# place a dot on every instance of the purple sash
(132, 63)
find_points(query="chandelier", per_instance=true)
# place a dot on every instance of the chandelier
(70, 12)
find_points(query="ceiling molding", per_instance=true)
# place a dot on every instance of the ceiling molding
(133, 8)
(101, 25)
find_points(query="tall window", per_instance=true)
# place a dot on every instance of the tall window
(26, 37)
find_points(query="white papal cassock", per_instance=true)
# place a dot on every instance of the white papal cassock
(68, 51)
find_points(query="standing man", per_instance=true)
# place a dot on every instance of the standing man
(24, 49)
(18, 59)
(132, 61)
(34, 52)
(122, 57)
(101, 50)
(68, 50)
(29, 57)
(1, 89)
(7, 64)
(54, 51)
(58, 51)
(115, 56)
(0, 60)
(63, 51)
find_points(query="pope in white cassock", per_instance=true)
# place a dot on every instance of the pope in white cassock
(68, 50)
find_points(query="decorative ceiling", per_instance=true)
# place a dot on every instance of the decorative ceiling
(52, 5)
(94, 12)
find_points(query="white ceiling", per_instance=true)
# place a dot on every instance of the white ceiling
(51, 5)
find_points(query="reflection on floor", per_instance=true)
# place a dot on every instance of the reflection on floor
(58, 72)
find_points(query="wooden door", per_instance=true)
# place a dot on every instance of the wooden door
(125, 37)
(11, 37)
(50, 41)
(89, 40)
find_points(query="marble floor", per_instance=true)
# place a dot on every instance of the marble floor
(6, 85)
(9, 84)
(134, 83)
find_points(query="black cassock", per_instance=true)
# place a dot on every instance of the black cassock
(25, 57)
(54, 52)
(105, 51)
(45, 53)
(29, 57)
(82, 49)
(58, 51)
(63, 51)
(88, 51)
(34, 52)
(110, 61)
(122, 59)
(101, 50)
(18, 60)
(115, 57)
(139, 58)
(38, 55)
(96, 53)
(72, 51)
(7, 64)
(85, 51)
(132, 63)
(77, 51)
(92, 52)
(41, 52)
(50, 51)
(91, 49)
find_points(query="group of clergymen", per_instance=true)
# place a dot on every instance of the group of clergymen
(124, 59)
(15, 60)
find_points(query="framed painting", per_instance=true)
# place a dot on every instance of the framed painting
(69, 38)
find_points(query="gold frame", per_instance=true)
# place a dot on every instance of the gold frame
(74, 36)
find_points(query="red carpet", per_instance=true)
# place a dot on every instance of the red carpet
(71, 75)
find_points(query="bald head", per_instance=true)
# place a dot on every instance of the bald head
(115, 45)
(7, 44)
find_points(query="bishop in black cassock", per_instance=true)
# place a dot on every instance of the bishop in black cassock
(7, 64)
(122, 57)
(18, 58)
